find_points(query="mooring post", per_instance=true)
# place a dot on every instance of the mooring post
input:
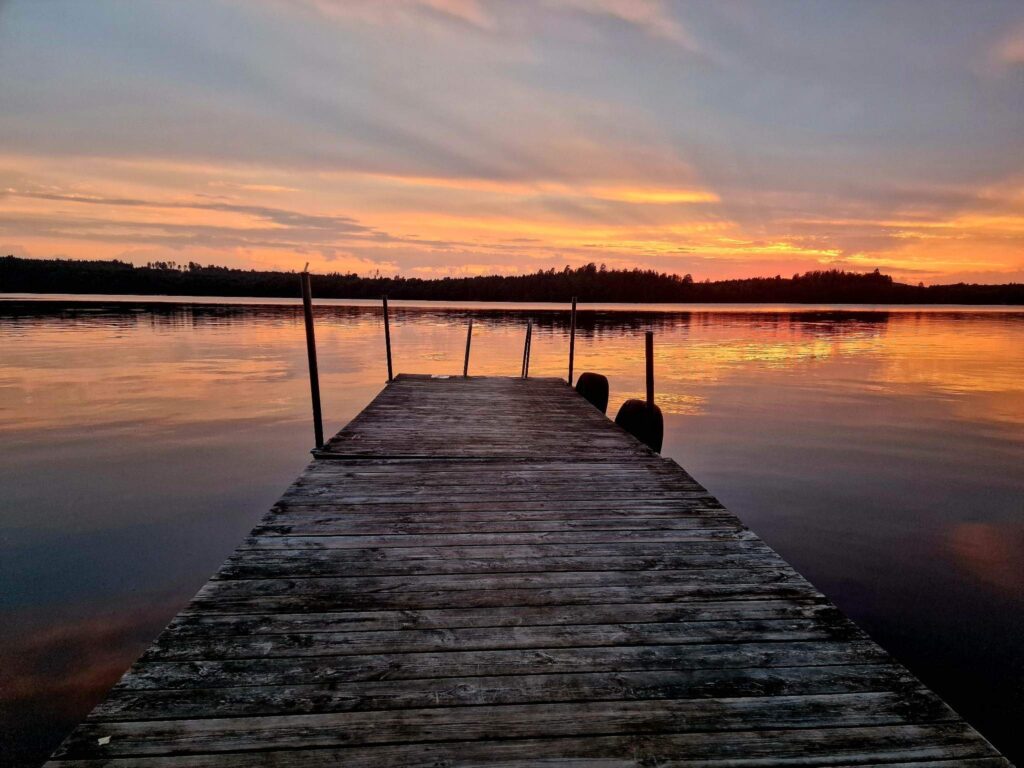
(314, 375)
(572, 337)
(522, 367)
(469, 338)
(649, 354)
(529, 346)
(387, 337)
(526, 349)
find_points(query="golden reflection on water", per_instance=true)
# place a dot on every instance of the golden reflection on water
(991, 553)
(976, 368)
(197, 366)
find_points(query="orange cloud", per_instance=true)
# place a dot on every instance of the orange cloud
(654, 195)
(622, 193)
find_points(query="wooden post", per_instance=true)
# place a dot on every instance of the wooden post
(522, 367)
(314, 375)
(529, 345)
(387, 338)
(572, 338)
(526, 345)
(526, 349)
(469, 338)
(649, 354)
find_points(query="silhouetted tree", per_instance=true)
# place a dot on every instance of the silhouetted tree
(589, 282)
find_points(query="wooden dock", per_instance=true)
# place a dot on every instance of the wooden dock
(487, 571)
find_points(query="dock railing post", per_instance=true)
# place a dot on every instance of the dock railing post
(529, 345)
(314, 375)
(469, 338)
(387, 337)
(526, 345)
(572, 338)
(649, 354)
(526, 349)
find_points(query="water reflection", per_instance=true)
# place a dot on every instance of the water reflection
(52, 671)
(990, 553)
(879, 451)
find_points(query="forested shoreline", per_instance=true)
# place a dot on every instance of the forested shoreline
(591, 283)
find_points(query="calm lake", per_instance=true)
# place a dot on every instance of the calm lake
(879, 450)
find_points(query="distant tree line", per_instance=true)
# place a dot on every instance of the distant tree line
(590, 283)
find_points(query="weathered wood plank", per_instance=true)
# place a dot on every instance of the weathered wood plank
(406, 524)
(154, 737)
(501, 598)
(903, 746)
(326, 594)
(300, 547)
(593, 613)
(482, 582)
(129, 705)
(211, 673)
(343, 540)
(339, 562)
(185, 644)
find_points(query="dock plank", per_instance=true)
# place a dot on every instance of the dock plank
(480, 722)
(244, 701)
(487, 571)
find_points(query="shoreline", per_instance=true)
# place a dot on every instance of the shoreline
(522, 306)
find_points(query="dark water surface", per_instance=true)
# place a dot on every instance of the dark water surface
(881, 452)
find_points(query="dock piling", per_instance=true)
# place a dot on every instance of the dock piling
(642, 418)
(649, 355)
(469, 339)
(387, 338)
(314, 375)
(572, 338)
(526, 349)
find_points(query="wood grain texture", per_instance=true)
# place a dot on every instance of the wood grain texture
(488, 572)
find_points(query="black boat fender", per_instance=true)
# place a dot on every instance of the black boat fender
(594, 388)
(643, 421)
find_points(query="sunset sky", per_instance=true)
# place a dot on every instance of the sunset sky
(433, 137)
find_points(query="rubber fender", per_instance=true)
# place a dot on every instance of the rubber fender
(594, 388)
(643, 422)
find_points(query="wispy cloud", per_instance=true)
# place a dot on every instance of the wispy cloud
(285, 218)
(465, 12)
(651, 17)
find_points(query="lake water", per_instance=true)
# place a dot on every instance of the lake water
(880, 451)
